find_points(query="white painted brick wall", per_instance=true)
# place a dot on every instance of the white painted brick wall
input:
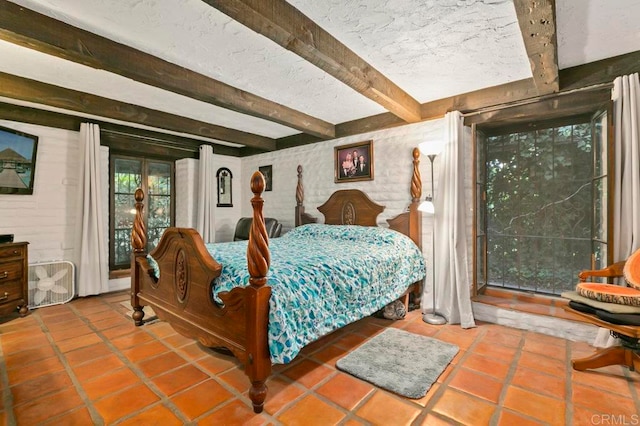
(392, 152)
(187, 192)
(47, 218)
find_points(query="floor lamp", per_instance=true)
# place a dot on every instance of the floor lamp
(431, 150)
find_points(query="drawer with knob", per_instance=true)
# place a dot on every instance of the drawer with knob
(10, 271)
(7, 253)
(14, 288)
(10, 291)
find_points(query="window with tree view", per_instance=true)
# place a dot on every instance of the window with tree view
(542, 203)
(155, 178)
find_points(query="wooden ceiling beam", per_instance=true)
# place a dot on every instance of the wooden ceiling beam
(594, 73)
(143, 138)
(23, 114)
(33, 30)
(24, 89)
(537, 20)
(287, 26)
(598, 72)
(506, 93)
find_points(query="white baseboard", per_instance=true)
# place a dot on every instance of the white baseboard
(119, 284)
(558, 327)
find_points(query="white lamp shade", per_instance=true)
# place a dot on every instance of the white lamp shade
(431, 147)
(427, 207)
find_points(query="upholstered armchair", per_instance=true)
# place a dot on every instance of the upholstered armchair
(244, 224)
(614, 307)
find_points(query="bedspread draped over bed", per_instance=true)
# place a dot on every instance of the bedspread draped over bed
(323, 277)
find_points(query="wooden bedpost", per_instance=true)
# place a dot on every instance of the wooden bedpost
(410, 223)
(415, 216)
(299, 197)
(301, 217)
(416, 180)
(258, 365)
(138, 244)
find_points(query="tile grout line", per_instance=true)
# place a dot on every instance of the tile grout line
(568, 385)
(93, 412)
(429, 406)
(513, 366)
(7, 395)
(189, 361)
(127, 363)
(632, 388)
(193, 362)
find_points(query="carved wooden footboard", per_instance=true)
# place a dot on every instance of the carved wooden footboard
(183, 294)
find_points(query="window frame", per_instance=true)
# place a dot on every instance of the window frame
(511, 119)
(117, 270)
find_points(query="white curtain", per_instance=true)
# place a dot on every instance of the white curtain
(626, 196)
(451, 257)
(93, 262)
(205, 223)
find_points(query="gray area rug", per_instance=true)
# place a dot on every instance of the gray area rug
(401, 362)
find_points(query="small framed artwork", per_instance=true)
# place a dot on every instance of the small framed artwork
(225, 197)
(266, 172)
(353, 162)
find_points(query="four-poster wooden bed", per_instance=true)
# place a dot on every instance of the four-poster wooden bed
(181, 293)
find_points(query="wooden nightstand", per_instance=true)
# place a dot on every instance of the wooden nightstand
(13, 278)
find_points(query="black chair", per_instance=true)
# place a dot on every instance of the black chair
(244, 224)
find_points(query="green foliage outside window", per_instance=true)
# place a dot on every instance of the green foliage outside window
(128, 175)
(539, 207)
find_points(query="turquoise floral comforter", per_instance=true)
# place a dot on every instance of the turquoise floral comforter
(323, 277)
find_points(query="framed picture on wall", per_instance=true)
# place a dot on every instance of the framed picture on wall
(353, 162)
(268, 181)
(17, 161)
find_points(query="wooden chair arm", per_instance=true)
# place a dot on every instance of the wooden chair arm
(614, 270)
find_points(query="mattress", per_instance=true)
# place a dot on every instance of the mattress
(323, 277)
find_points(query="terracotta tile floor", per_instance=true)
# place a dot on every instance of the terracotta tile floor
(85, 363)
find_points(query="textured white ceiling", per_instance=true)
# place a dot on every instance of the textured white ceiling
(591, 30)
(430, 48)
(426, 46)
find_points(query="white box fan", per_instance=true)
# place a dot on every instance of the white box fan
(51, 283)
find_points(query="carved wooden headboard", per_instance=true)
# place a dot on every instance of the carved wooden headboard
(350, 207)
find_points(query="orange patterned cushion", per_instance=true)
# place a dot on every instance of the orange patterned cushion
(610, 293)
(631, 270)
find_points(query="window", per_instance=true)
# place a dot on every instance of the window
(542, 202)
(156, 179)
